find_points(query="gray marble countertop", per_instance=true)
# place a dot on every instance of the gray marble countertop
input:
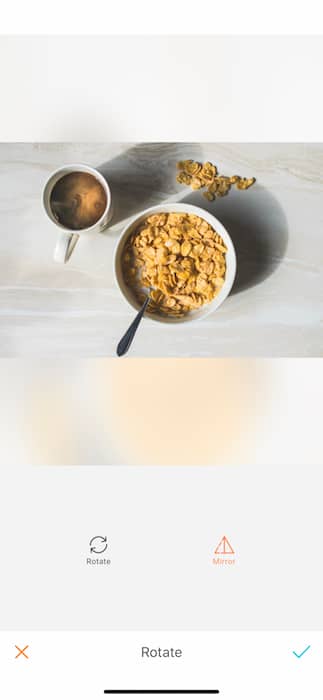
(76, 310)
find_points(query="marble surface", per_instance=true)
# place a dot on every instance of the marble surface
(76, 310)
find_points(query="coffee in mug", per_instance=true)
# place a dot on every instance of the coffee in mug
(77, 199)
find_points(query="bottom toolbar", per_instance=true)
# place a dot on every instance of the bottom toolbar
(249, 665)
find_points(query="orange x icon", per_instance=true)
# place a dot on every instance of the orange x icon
(22, 652)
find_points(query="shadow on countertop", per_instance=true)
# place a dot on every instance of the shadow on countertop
(144, 175)
(258, 227)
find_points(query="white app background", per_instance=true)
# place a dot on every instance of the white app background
(162, 527)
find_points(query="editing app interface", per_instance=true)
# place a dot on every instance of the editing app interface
(156, 577)
(161, 373)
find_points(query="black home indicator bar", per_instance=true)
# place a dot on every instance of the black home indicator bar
(162, 692)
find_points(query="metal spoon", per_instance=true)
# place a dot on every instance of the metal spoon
(126, 340)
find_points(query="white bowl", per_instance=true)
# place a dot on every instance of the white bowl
(231, 262)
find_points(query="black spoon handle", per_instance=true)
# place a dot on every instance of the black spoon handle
(126, 340)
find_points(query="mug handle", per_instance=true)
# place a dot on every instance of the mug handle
(65, 245)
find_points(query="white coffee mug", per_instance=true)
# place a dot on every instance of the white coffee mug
(67, 239)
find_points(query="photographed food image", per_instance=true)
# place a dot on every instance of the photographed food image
(172, 249)
(179, 258)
